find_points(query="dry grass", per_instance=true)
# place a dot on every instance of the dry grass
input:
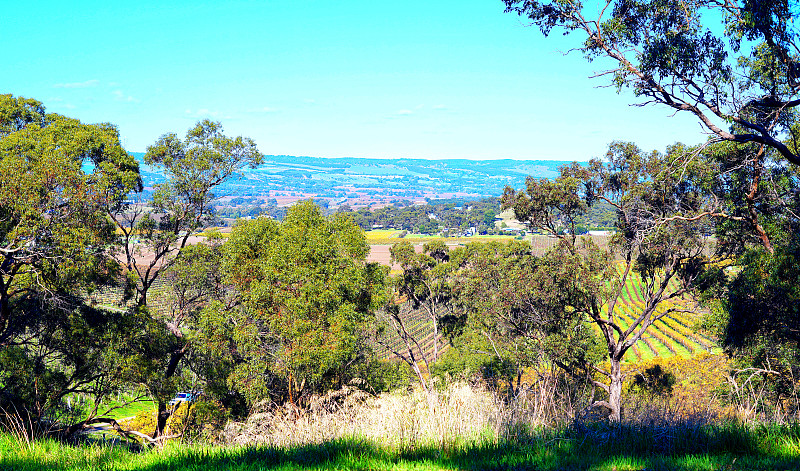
(403, 419)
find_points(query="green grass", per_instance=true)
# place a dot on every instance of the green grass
(725, 447)
(124, 407)
(132, 410)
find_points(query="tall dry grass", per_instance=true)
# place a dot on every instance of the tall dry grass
(456, 415)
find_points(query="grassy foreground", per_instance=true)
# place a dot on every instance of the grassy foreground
(729, 447)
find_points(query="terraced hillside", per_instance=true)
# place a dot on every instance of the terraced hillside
(674, 334)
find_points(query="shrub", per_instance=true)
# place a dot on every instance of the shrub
(201, 420)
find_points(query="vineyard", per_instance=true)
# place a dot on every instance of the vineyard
(674, 334)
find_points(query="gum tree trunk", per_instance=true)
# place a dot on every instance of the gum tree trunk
(615, 392)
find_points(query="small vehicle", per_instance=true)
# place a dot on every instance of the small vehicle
(183, 397)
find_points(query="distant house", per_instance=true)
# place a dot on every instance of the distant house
(600, 233)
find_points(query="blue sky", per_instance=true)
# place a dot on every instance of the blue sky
(414, 79)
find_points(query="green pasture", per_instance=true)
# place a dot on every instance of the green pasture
(133, 409)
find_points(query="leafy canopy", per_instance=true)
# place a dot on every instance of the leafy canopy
(306, 296)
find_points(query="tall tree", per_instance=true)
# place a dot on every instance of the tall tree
(732, 64)
(754, 306)
(57, 177)
(421, 291)
(305, 296)
(424, 283)
(156, 231)
(659, 208)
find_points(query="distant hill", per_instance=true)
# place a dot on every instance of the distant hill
(359, 182)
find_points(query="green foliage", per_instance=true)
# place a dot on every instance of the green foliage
(376, 375)
(758, 319)
(654, 381)
(83, 351)
(57, 177)
(197, 421)
(154, 240)
(193, 168)
(306, 296)
(514, 310)
(659, 200)
(205, 159)
(430, 218)
(752, 297)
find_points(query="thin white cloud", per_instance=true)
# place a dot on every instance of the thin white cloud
(439, 107)
(119, 96)
(401, 114)
(86, 84)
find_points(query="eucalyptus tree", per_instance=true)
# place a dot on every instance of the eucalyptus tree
(513, 311)
(754, 309)
(423, 282)
(732, 64)
(57, 177)
(660, 207)
(422, 290)
(304, 298)
(155, 236)
(154, 231)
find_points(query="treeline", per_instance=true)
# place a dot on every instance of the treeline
(454, 217)
(248, 207)
(431, 218)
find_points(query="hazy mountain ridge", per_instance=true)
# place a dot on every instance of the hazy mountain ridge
(364, 181)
